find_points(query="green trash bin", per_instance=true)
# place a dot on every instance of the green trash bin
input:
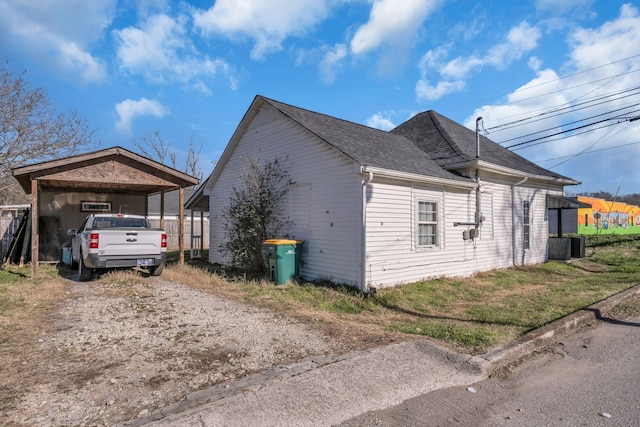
(281, 254)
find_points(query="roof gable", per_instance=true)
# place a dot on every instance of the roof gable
(112, 169)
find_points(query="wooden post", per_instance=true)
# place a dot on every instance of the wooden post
(201, 233)
(35, 232)
(181, 226)
(162, 209)
(191, 238)
(560, 223)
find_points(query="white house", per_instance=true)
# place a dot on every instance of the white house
(379, 208)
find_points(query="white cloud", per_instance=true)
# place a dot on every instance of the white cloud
(58, 34)
(432, 60)
(613, 40)
(129, 109)
(450, 74)
(520, 40)
(602, 66)
(460, 68)
(378, 121)
(393, 23)
(160, 50)
(535, 63)
(267, 22)
(426, 91)
(469, 30)
(331, 63)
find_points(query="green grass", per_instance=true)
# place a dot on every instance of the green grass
(620, 231)
(11, 274)
(473, 314)
(465, 336)
(468, 314)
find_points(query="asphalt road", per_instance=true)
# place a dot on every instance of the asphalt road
(590, 378)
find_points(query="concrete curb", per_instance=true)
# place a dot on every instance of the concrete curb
(548, 334)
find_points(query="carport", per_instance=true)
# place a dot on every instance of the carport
(111, 180)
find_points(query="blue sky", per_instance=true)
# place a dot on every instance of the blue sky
(189, 70)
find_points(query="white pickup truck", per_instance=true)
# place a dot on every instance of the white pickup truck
(106, 241)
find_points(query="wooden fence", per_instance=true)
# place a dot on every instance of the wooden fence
(199, 235)
(10, 217)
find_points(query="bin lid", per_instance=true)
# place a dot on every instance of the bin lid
(280, 242)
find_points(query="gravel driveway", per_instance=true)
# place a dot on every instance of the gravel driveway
(118, 352)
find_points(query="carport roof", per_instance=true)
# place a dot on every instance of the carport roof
(112, 170)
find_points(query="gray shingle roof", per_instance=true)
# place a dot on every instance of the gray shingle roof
(449, 142)
(422, 145)
(366, 146)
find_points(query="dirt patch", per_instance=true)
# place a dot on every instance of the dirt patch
(103, 353)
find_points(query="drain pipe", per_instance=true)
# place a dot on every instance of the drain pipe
(513, 217)
(363, 239)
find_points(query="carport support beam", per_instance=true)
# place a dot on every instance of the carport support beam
(181, 227)
(34, 228)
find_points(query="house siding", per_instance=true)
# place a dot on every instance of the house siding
(392, 256)
(331, 197)
(323, 205)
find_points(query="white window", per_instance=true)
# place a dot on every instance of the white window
(96, 207)
(526, 225)
(427, 226)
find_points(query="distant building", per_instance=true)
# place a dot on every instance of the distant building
(605, 216)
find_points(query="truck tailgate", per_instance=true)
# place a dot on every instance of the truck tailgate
(129, 242)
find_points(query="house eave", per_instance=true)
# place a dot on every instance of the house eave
(506, 171)
(413, 177)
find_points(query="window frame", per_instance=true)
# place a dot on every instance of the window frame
(435, 223)
(526, 225)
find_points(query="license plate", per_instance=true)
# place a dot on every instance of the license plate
(145, 262)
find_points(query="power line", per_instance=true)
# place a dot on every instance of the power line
(569, 130)
(587, 148)
(565, 137)
(615, 147)
(566, 76)
(568, 109)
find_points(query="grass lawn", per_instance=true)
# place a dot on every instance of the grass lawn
(470, 315)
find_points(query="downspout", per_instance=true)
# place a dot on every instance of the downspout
(363, 237)
(513, 218)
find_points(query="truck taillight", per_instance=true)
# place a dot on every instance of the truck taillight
(93, 240)
(163, 241)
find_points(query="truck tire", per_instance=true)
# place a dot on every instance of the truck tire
(157, 270)
(84, 272)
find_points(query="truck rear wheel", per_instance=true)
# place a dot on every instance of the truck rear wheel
(157, 270)
(84, 272)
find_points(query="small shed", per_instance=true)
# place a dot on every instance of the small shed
(564, 248)
(117, 180)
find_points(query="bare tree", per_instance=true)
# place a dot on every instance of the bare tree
(154, 146)
(31, 131)
(193, 159)
(254, 213)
